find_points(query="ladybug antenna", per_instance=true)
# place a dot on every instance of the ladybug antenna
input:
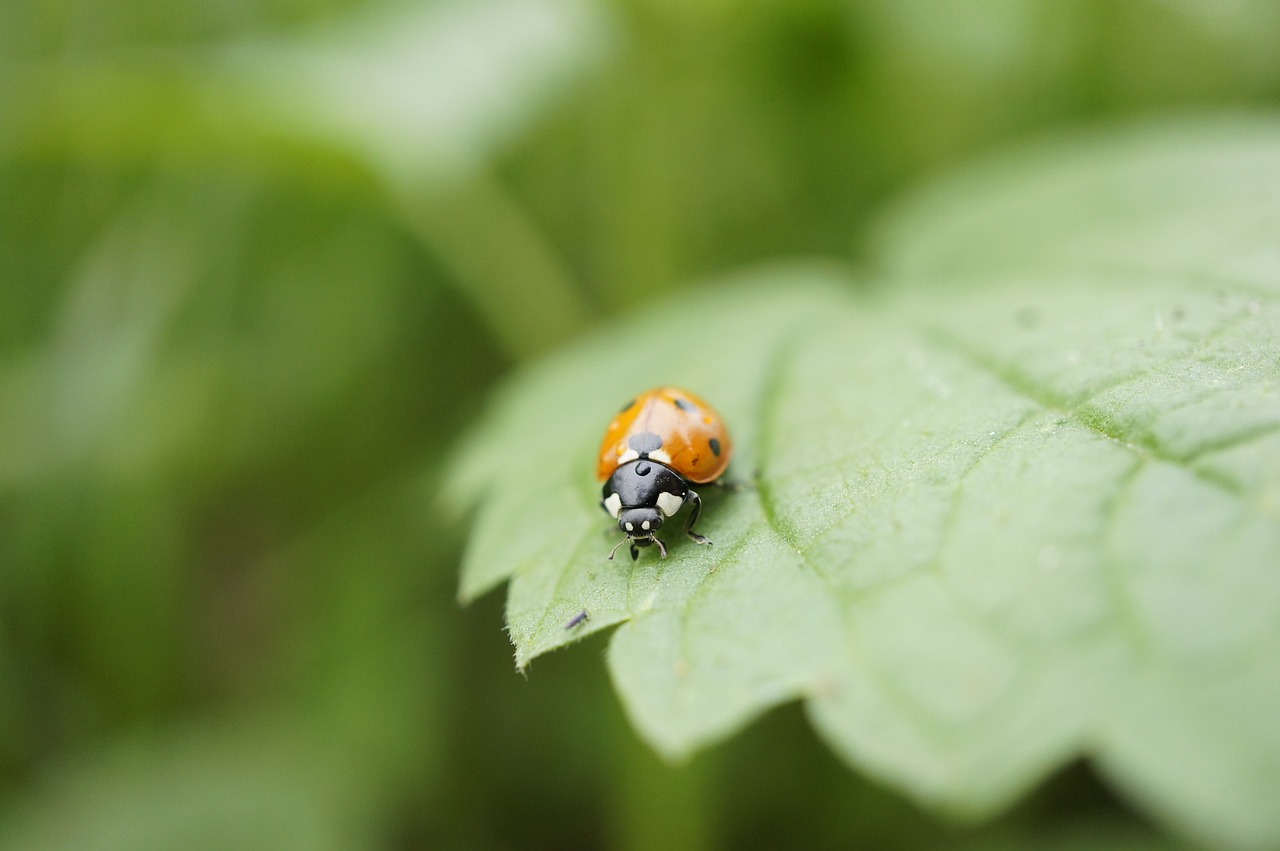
(662, 548)
(614, 551)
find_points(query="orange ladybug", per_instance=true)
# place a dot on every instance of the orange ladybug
(659, 443)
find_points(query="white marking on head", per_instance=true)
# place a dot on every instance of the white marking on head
(645, 525)
(660, 456)
(631, 527)
(669, 503)
(629, 455)
(613, 505)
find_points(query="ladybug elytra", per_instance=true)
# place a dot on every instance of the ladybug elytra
(659, 444)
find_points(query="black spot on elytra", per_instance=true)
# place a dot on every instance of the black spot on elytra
(644, 441)
(683, 405)
(715, 446)
(643, 469)
(626, 407)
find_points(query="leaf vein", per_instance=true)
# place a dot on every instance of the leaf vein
(1097, 423)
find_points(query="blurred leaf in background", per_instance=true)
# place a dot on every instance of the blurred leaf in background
(260, 266)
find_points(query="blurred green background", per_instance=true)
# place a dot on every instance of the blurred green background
(261, 264)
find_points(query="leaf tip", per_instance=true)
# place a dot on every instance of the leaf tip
(522, 661)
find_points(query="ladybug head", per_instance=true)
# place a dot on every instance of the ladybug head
(640, 524)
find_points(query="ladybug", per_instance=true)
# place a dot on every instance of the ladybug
(659, 444)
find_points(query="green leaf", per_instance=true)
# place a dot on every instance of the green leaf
(1189, 198)
(416, 95)
(1019, 506)
(406, 103)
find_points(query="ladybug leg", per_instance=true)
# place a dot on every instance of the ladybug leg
(635, 552)
(693, 518)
